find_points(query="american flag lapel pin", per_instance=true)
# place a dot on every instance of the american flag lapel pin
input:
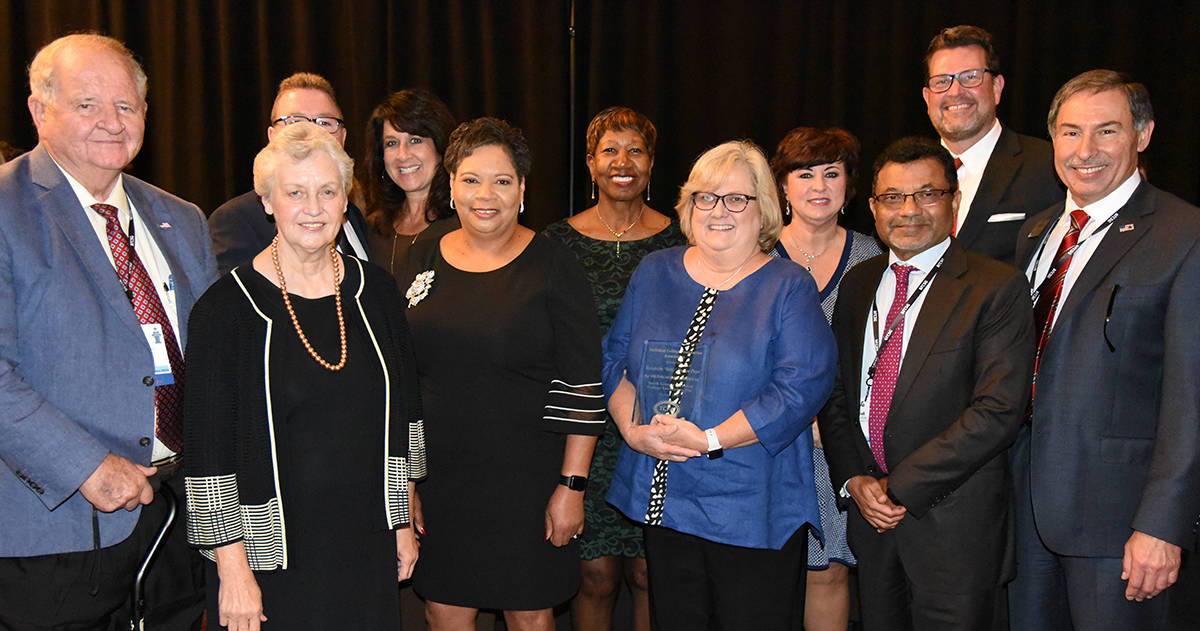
(166, 226)
(1125, 228)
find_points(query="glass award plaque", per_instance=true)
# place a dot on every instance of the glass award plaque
(654, 382)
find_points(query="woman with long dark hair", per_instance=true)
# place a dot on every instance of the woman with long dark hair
(407, 189)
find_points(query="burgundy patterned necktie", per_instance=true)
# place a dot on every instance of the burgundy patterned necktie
(168, 399)
(887, 369)
(1050, 291)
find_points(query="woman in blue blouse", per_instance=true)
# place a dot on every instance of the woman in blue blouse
(725, 482)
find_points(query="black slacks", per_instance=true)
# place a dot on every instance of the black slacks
(889, 601)
(91, 590)
(698, 585)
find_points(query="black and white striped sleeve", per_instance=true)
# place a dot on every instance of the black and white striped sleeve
(575, 396)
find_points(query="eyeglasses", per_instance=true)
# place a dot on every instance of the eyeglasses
(329, 123)
(967, 78)
(927, 197)
(734, 202)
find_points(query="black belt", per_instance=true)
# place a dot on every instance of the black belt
(167, 469)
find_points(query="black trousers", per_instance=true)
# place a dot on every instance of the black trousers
(91, 590)
(698, 585)
(889, 601)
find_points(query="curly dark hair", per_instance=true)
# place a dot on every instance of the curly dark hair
(416, 112)
(485, 131)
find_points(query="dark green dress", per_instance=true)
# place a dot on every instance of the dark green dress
(607, 532)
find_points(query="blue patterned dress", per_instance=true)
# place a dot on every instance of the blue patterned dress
(859, 247)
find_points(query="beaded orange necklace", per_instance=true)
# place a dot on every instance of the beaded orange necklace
(337, 298)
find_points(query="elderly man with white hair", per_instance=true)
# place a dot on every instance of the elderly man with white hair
(98, 271)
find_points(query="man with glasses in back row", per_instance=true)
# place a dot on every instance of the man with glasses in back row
(1003, 176)
(931, 388)
(241, 227)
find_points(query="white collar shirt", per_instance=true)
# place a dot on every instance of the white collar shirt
(924, 263)
(1089, 237)
(970, 174)
(147, 250)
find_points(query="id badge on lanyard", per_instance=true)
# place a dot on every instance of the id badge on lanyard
(155, 337)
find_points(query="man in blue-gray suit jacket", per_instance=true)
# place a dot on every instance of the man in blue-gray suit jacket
(79, 370)
(1108, 470)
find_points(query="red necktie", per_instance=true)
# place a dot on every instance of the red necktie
(1051, 288)
(958, 164)
(168, 399)
(883, 385)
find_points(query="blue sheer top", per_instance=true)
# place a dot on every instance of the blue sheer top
(769, 352)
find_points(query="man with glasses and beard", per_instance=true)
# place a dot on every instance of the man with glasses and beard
(1003, 176)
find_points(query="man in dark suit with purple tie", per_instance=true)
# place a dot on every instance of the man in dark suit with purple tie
(935, 355)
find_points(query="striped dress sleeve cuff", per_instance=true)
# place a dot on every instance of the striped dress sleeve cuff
(575, 408)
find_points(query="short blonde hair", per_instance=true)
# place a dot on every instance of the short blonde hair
(297, 142)
(42, 82)
(713, 165)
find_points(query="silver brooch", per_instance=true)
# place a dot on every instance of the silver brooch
(419, 288)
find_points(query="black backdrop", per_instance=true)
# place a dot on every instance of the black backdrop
(704, 70)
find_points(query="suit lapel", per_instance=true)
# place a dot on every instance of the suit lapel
(58, 201)
(997, 176)
(170, 242)
(1112, 248)
(944, 293)
(859, 303)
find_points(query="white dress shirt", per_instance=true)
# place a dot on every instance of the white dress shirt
(970, 174)
(1089, 237)
(147, 250)
(923, 263)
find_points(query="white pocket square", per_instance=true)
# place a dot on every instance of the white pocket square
(998, 217)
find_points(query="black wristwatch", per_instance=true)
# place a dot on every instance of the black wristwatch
(573, 482)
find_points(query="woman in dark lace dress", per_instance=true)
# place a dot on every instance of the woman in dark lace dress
(610, 239)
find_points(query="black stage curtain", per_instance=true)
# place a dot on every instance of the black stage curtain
(705, 72)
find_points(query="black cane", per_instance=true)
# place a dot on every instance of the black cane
(137, 622)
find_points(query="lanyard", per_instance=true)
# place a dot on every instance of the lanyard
(1035, 290)
(887, 335)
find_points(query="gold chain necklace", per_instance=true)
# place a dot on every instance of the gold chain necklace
(620, 234)
(337, 298)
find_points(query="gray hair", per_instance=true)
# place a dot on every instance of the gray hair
(713, 165)
(42, 82)
(1097, 81)
(297, 142)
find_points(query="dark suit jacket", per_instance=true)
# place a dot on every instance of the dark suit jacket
(241, 229)
(1019, 178)
(959, 399)
(1115, 442)
(73, 359)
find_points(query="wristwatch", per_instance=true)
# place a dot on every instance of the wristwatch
(573, 482)
(714, 446)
